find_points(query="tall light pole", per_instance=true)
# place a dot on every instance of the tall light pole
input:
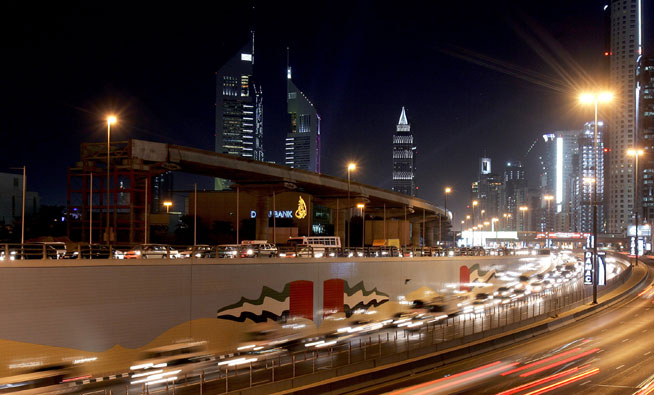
(548, 199)
(361, 207)
(440, 218)
(522, 212)
(111, 119)
(474, 203)
(636, 153)
(167, 204)
(350, 167)
(595, 98)
(493, 228)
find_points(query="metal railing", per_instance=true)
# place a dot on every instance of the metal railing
(43, 251)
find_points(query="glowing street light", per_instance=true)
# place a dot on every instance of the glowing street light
(167, 204)
(595, 99)
(361, 207)
(522, 211)
(447, 190)
(111, 119)
(636, 153)
(350, 168)
(474, 204)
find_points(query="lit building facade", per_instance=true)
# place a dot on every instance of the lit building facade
(645, 124)
(302, 146)
(625, 48)
(515, 195)
(404, 158)
(584, 180)
(558, 179)
(488, 190)
(239, 108)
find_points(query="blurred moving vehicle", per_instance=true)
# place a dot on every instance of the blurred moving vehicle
(170, 355)
(38, 381)
(318, 245)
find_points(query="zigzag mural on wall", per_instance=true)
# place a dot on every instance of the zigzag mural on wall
(474, 274)
(358, 298)
(270, 304)
(296, 300)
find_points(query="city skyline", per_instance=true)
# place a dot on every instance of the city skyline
(451, 144)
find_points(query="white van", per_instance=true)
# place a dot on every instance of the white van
(318, 244)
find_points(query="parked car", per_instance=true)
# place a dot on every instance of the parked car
(149, 251)
(228, 250)
(257, 248)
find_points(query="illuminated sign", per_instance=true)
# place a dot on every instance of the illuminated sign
(562, 235)
(278, 214)
(601, 268)
(485, 165)
(301, 211)
(559, 174)
(588, 268)
(246, 57)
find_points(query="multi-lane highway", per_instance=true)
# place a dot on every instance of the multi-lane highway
(610, 352)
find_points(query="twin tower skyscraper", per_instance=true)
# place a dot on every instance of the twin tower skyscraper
(239, 116)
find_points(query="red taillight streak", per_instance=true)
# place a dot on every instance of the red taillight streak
(538, 382)
(463, 380)
(644, 291)
(583, 354)
(75, 379)
(647, 390)
(541, 361)
(446, 378)
(561, 383)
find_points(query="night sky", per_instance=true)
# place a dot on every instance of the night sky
(66, 65)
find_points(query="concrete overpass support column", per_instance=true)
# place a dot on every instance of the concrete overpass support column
(429, 235)
(339, 225)
(263, 206)
(415, 234)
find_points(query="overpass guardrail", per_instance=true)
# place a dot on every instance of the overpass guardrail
(43, 251)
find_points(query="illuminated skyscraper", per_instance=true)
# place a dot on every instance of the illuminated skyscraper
(303, 140)
(584, 177)
(239, 108)
(625, 48)
(404, 157)
(645, 125)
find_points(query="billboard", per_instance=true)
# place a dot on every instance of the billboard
(485, 165)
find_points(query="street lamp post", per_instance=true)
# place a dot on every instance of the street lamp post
(636, 153)
(111, 119)
(350, 167)
(167, 204)
(362, 207)
(474, 203)
(595, 98)
(440, 218)
(548, 199)
(522, 212)
(493, 228)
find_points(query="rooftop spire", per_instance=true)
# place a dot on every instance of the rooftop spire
(403, 120)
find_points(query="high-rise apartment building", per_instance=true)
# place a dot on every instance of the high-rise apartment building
(302, 145)
(645, 125)
(625, 48)
(515, 195)
(404, 158)
(488, 190)
(239, 108)
(584, 179)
